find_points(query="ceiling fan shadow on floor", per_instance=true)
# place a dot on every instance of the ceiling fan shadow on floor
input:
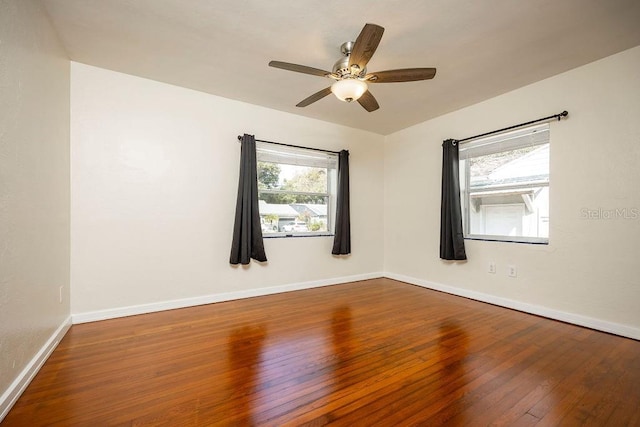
(350, 72)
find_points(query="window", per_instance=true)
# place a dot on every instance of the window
(296, 190)
(504, 186)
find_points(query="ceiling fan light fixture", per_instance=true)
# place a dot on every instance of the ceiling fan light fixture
(348, 90)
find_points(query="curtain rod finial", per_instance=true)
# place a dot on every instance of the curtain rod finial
(239, 137)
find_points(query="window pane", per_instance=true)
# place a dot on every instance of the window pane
(305, 179)
(293, 217)
(296, 190)
(522, 165)
(505, 188)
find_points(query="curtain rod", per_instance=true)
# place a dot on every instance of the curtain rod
(293, 146)
(555, 116)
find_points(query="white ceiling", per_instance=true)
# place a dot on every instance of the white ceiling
(481, 48)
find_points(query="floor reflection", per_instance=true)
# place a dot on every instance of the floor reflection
(244, 353)
(341, 334)
(453, 347)
(260, 365)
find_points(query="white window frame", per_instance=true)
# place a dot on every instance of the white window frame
(299, 156)
(531, 136)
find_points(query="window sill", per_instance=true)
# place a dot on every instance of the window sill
(507, 240)
(294, 235)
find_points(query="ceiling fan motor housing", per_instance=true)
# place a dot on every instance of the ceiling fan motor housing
(341, 67)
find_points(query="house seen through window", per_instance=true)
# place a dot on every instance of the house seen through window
(504, 186)
(296, 190)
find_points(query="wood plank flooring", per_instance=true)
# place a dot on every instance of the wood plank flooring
(371, 353)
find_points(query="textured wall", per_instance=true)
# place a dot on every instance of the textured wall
(34, 184)
(590, 267)
(154, 184)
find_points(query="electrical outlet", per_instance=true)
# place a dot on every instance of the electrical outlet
(511, 271)
(492, 267)
(60, 295)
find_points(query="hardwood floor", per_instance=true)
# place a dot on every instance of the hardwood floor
(370, 353)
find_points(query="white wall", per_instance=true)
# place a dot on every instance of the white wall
(34, 190)
(590, 269)
(153, 189)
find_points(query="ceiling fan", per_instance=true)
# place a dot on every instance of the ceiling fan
(350, 72)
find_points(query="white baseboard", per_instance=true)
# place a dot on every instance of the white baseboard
(13, 392)
(563, 316)
(133, 310)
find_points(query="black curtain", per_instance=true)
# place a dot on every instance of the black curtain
(247, 235)
(451, 235)
(342, 238)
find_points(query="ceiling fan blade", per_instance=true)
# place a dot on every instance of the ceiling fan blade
(299, 68)
(404, 75)
(368, 102)
(315, 97)
(365, 45)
